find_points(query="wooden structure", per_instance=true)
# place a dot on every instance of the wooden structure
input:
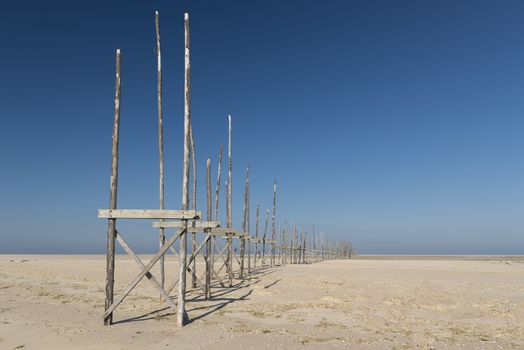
(216, 242)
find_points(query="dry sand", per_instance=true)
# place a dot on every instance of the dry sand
(56, 302)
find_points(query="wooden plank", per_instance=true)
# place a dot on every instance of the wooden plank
(220, 234)
(148, 214)
(177, 224)
(224, 230)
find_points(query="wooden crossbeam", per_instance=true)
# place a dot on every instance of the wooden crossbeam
(219, 231)
(200, 225)
(148, 214)
(219, 234)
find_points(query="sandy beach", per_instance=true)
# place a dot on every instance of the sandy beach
(56, 302)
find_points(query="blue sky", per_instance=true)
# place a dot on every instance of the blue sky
(396, 125)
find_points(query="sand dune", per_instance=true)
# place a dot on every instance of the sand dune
(56, 302)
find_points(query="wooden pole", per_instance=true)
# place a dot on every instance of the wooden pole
(284, 245)
(291, 234)
(230, 202)
(304, 258)
(229, 175)
(113, 182)
(181, 313)
(217, 192)
(162, 236)
(273, 233)
(217, 195)
(264, 240)
(256, 237)
(244, 227)
(229, 242)
(248, 229)
(194, 191)
(280, 243)
(209, 218)
(314, 244)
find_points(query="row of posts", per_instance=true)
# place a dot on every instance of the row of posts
(287, 247)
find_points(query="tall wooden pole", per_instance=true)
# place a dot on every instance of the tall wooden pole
(280, 243)
(314, 244)
(229, 241)
(230, 201)
(256, 237)
(162, 237)
(229, 175)
(194, 192)
(244, 227)
(217, 196)
(113, 182)
(248, 229)
(264, 240)
(304, 258)
(208, 243)
(273, 233)
(181, 312)
(291, 233)
(217, 192)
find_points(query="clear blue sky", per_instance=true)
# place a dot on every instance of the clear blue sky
(395, 124)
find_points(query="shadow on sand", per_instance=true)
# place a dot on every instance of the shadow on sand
(220, 298)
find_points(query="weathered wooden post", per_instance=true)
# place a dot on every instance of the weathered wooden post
(280, 244)
(113, 183)
(209, 241)
(217, 192)
(264, 240)
(304, 259)
(230, 203)
(162, 238)
(181, 310)
(297, 245)
(321, 246)
(244, 227)
(256, 237)
(248, 228)
(217, 196)
(229, 240)
(194, 192)
(284, 244)
(289, 238)
(273, 234)
(194, 202)
(300, 246)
